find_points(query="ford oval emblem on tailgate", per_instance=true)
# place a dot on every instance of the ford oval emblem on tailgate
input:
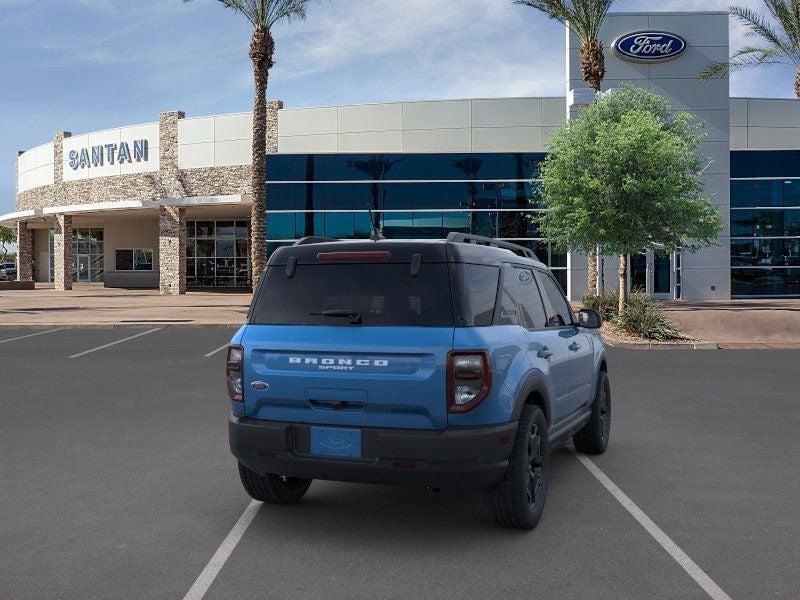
(259, 386)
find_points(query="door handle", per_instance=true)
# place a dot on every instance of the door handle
(545, 352)
(574, 346)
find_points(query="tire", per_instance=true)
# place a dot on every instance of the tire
(593, 438)
(517, 501)
(273, 489)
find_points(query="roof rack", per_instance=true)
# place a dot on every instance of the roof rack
(313, 240)
(465, 238)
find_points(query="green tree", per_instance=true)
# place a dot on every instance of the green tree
(626, 175)
(263, 15)
(7, 236)
(778, 37)
(584, 19)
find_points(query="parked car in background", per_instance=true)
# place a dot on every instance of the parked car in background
(8, 271)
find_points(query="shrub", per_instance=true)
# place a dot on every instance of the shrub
(646, 318)
(605, 303)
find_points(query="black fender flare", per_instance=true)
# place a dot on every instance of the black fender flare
(534, 383)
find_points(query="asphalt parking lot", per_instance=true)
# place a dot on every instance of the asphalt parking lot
(116, 482)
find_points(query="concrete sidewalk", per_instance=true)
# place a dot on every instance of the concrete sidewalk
(740, 323)
(93, 305)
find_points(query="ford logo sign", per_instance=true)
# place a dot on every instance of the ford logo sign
(649, 46)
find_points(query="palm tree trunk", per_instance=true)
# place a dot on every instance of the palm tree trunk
(593, 67)
(623, 282)
(261, 52)
(593, 70)
(797, 84)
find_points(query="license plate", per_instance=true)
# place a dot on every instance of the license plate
(330, 441)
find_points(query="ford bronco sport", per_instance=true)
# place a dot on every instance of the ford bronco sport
(454, 365)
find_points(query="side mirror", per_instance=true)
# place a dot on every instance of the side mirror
(590, 319)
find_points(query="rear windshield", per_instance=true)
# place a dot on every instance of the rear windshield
(379, 294)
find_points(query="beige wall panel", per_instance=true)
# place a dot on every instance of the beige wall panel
(765, 138)
(507, 112)
(507, 139)
(371, 117)
(554, 111)
(372, 141)
(300, 144)
(233, 127)
(307, 121)
(447, 114)
(438, 140)
(196, 131)
(195, 156)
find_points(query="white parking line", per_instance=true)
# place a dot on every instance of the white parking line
(115, 343)
(22, 337)
(695, 572)
(209, 574)
(220, 349)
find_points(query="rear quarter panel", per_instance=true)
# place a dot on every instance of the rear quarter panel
(507, 347)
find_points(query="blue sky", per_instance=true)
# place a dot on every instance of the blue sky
(84, 65)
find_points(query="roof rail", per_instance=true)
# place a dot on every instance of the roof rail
(465, 238)
(313, 240)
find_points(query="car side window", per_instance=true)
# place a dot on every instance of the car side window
(560, 313)
(507, 312)
(530, 300)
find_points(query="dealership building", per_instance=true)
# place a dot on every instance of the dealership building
(167, 204)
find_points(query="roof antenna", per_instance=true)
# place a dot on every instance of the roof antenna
(377, 234)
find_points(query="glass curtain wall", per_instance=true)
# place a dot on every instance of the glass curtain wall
(411, 196)
(765, 223)
(218, 254)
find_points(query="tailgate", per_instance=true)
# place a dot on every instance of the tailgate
(351, 376)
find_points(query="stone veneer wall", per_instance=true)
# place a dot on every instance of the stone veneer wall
(169, 182)
(24, 252)
(62, 251)
(172, 250)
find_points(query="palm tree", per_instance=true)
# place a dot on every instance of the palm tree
(584, 19)
(263, 15)
(780, 42)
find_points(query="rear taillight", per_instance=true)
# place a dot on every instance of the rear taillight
(233, 372)
(468, 379)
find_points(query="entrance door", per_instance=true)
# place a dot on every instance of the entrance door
(662, 272)
(650, 272)
(638, 272)
(83, 268)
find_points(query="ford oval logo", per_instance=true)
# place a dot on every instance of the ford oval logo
(649, 46)
(337, 443)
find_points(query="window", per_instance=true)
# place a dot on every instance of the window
(133, 259)
(475, 293)
(561, 314)
(218, 252)
(506, 312)
(530, 300)
(382, 294)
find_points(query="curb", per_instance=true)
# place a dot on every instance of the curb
(663, 345)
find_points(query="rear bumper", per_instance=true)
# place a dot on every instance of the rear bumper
(459, 459)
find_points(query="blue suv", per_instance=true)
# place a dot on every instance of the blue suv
(451, 365)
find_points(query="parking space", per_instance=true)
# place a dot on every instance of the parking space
(117, 483)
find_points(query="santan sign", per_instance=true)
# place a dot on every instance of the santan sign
(649, 46)
(97, 156)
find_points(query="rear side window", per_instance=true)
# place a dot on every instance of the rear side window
(560, 314)
(507, 313)
(530, 300)
(381, 294)
(475, 292)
